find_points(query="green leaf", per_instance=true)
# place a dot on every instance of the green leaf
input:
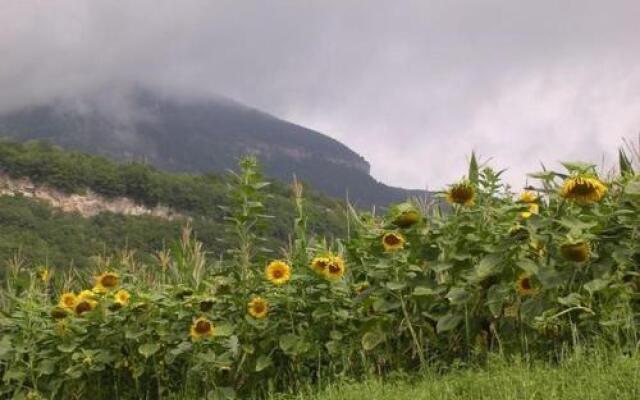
(149, 349)
(528, 265)
(396, 285)
(423, 291)
(495, 299)
(473, 169)
(448, 322)
(223, 329)
(596, 285)
(625, 163)
(371, 339)
(458, 296)
(293, 345)
(263, 362)
(5, 346)
(572, 299)
(487, 266)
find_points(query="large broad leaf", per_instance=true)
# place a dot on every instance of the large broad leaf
(5, 346)
(596, 285)
(528, 265)
(371, 339)
(495, 299)
(487, 266)
(458, 296)
(263, 363)
(448, 322)
(633, 188)
(149, 349)
(293, 345)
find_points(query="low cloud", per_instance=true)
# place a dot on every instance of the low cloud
(414, 86)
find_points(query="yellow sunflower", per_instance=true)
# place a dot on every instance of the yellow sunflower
(461, 193)
(258, 307)
(68, 300)
(336, 268)
(121, 297)
(319, 264)
(86, 295)
(583, 189)
(577, 252)
(201, 328)
(107, 280)
(528, 197)
(278, 272)
(392, 241)
(85, 305)
(533, 208)
(524, 285)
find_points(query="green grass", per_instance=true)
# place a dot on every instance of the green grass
(580, 377)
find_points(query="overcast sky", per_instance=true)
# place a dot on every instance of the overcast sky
(413, 86)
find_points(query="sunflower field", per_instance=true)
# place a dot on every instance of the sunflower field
(478, 269)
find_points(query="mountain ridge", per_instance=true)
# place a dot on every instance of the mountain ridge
(198, 136)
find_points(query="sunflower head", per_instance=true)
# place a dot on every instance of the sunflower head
(121, 297)
(84, 305)
(278, 272)
(405, 215)
(68, 300)
(258, 308)
(335, 269)
(576, 251)
(525, 286)
(107, 280)
(201, 328)
(462, 193)
(59, 312)
(319, 264)
(392, 241)
(87, 295)
(583, 189)
(532, 208)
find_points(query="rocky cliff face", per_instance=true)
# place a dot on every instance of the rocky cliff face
(88, 204)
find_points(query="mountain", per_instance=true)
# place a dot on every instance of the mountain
(200, 135)
(63, 207)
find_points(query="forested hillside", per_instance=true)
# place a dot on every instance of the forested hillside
(42, 234)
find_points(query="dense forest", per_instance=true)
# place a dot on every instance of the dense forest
(41, 234)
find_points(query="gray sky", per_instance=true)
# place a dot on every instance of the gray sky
(413, 86)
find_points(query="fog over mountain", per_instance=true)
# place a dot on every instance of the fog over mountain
(413, 86)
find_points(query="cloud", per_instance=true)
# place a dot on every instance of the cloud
(414, 86)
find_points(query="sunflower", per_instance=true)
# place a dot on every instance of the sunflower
(278, 272)
(577, 252)
(461, 193)
(319, 264)
(583, 189)
(533, 208)
(392, 241)
(335, 269)
(405, 215)
(107, 280)
(528, 197)
(524, 285)
(200, 328)
(86, 295)
(258, 307)
(59, 312)
(68, 300)
(85, 305)
(121, 297)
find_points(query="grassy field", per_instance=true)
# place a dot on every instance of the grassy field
(581, 377)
